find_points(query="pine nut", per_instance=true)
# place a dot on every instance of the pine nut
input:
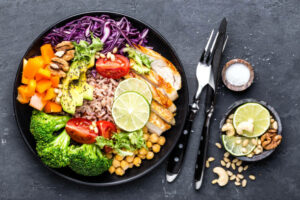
(254, 141)
(227, 165)
(237, 179)
(238, 141)
(214, 181)
(235, 160)
(244, 183)
(246, 167)
(275, 125)
(240, 169)
(233, 166)
(240, 176)
(207, 164)
(239, 163)
(102, 55)
(115, 50)
(230, 116)
(56, 90)
(108, 55)
(252, 177)
(218, 145)
(226, 154)
(237, 183)
(59, 85)
(112, 57)
(223, 163)
(226, 159)
(250, 155)
(229, 173)
(97, 56)
(245, 142)
(210, 159)
(233, 177)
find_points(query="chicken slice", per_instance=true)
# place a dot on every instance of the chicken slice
(163, 113)
(163, 67)
(156, 125)
(157, 95)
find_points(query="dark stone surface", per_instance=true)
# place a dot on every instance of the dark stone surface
(264, 32)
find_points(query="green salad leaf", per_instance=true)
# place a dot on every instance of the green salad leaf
(124, 143)
(142, 63)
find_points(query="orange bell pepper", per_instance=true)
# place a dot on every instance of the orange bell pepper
(47, 53)
(55, 81)
(43, 74)
(32, 67)
(52, 107)
(37, 101)
(31, 87)
(50, 94)
(22, 94)
(43, 85)
(24, 79)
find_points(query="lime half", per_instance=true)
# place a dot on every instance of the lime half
(136, 85)
(252, 112)
(131, 111)
(234, 145)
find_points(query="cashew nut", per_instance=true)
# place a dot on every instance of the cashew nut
(245, 126)
(229, 129)
(223, 176)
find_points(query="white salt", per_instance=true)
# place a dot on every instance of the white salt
(237, 74)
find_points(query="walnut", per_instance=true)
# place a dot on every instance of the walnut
(61, 63)
(69, 55)
(270, 140)
(63, 46)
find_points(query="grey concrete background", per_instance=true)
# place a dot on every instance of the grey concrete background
(264, 32)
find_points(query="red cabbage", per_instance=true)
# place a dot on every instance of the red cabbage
(111, 32)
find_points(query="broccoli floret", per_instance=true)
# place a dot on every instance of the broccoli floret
(88, 160)
(55, 153)
(42, 125)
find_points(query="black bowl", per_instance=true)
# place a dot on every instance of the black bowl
(160, 44)
(273, 113)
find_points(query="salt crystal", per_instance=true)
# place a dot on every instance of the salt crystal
(237, 74)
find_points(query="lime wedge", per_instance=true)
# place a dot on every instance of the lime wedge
(136, 85)
(131, 111)
(234, 145)
(252, 112)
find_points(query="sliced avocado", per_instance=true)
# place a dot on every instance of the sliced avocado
(76, 95)
(84, 88)
(67, 103)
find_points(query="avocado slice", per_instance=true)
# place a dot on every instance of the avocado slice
(67, 103)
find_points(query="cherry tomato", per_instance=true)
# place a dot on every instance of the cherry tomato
(113, 69)
(106, 128)
(79, 130)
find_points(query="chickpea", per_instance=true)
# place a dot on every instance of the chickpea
(146, 136)
(145, 129)
(150, 155)
(129, 158)
(153, 138)
(142, 156)
(149, 144)
(119, 158)
(116, 163)
(120, 171)
(112, 169)
(109, 155)
(136, 152)
(137, 161)
(143, 151)
(156, 148)
(124, 164)
(161, 140)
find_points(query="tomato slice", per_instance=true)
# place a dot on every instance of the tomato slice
(113, 69)
(79, 130)
(106, 128)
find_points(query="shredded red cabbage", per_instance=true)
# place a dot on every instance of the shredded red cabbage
(111, 32)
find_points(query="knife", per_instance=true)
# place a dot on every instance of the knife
(203, 74)
(209, 105)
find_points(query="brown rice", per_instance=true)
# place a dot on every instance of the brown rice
(100, 107)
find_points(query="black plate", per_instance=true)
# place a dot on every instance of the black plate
(273, 113)
(160, 44)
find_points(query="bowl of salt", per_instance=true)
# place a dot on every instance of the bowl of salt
(237, 75)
